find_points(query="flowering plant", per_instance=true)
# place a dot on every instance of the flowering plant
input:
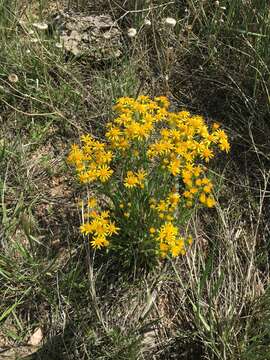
(145, 178)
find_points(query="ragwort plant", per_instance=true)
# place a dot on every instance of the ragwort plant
(145, 178)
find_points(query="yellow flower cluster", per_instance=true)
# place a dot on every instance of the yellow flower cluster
(92, 160)
(166, 208)
(100, 227)
(136, 120)
(161, 154)
(169, 240)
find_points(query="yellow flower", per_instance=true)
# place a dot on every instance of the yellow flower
(220, 134)
(92, 202)
(123, 144)
(98, 146)
(161, 114)
(112, 229)
(163, 249)
(141, 174)
(143, 98)
(177, 248)
(187, 194)
(197, 171)
(224, 145)
(86, 228)
(174, 198)
(184, 114)
(196, 121)
(205, 181)
(216, 126)
(106, 157)
(162, 147)
(99, 227)
(204, 131)
(113, 134)
(207, 188)
(163, 101)
(131, 180)
(75, 155)
(174, 166)
(99, 241)
(166, 161)
(135, 130)
(207, 154)
(104, 173)
(88, 176)
(104, 214)
(93, 214)
(162, 206)
(210, 202)
(152, 230)
(167, 232)
(165, 133)
(87, 139)
(202, 198)
(198, 182)
(187, 175)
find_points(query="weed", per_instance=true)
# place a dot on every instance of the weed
(210, 304)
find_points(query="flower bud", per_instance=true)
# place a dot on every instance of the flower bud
(147, 22)
(132, 32)
(170, 22)
(13, 78)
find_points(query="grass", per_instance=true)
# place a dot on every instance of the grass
(212, 303)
